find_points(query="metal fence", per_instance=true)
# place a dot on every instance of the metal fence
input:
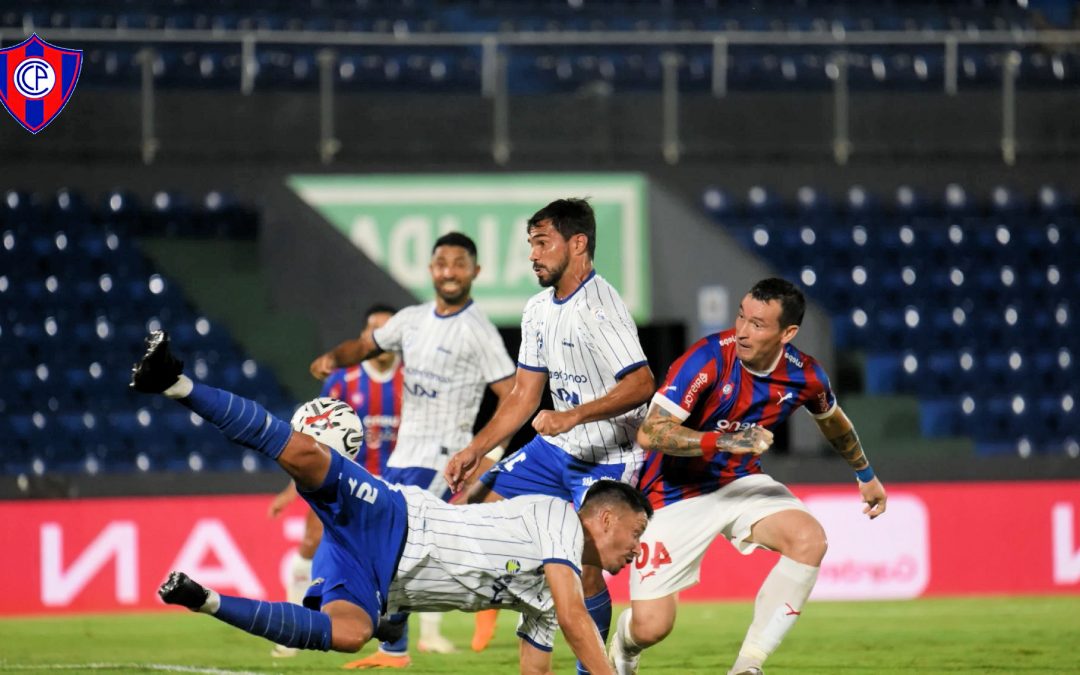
(495, 48)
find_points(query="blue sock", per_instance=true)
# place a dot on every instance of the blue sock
(241, 420)
(401, 645)
(599, 607)
(282, 623)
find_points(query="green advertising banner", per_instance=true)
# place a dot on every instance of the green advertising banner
(395, 220)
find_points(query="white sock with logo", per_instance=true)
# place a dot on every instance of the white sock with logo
(779, 603)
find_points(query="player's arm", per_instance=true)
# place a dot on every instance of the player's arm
(348, 353)
(513, 410)
(574, 620)
(664, 432)
(840, 432)
(628, 393)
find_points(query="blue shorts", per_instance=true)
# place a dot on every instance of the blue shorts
(428, 479)
(540, 468)
(364, 526)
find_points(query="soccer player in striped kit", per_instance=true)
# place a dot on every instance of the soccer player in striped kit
(451, 352)
(394, 548)
(577, 335)
(707, 425)
(373, 390)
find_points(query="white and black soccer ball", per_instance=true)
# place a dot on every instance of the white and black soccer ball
(331, 422)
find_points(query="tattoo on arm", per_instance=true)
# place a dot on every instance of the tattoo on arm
(849, 447)
(740, 442)
(666, 434)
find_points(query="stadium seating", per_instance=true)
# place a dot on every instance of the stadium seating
(963, 302)
(77, 297)
(544, 69)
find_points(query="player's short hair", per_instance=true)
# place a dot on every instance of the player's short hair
(569, 217)
(791, 299)
(606, 491)
(379, 308)
(456, 239)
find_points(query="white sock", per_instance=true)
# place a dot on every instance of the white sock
(212, 604)
(299, 579)
(624, 636)
(181, 388)
(779, 603)
(429, 624)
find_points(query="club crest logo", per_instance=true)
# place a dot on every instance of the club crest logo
(36, 81)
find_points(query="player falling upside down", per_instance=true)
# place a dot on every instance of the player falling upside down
(389, 548)
(373, 389)
(706, 427)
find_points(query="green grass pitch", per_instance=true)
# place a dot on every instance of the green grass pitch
(977, 635)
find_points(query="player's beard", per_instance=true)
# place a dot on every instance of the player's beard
(554, 274)
(454, 298)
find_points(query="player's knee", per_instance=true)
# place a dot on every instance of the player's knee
(348, 637)
(649, 630)
(808, 545)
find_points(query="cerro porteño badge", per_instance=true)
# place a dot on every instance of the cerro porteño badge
(37, 81)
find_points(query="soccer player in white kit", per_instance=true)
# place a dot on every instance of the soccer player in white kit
(390, 548)
(451, 352)
(577, 335)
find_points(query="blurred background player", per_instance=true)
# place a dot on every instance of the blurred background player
(451, 352)
(577, 335)
(389, 546)
(373, 389)
(711, 419)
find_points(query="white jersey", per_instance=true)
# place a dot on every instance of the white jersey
(449, 360)
(486, 555)
(585, 343)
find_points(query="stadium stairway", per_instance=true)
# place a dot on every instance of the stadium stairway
(226, 281)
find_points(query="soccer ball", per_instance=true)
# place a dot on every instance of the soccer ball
(331, 422)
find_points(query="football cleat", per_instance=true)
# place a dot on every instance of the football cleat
(379, 660)
(749, 671)
(180, 589)
(158, 369)
(485, 629)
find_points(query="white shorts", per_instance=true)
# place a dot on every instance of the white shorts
(678, 535)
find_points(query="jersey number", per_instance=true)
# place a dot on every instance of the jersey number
(497, 588)
(516, 459)
(660, 556)
(363, 491)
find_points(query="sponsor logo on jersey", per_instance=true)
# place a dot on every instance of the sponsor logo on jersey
(419, 390)
(539, 341)
(599, 315)
(795, 361)
(513, 566)
(780, 398)
(691, 394)
(727, 389)
(564, 376)
(728, 340)
(734, 425)
(567, 396)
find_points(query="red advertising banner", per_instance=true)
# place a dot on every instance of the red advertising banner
(936, 539)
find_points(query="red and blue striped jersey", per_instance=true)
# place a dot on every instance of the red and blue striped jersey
(376, 398)
(709, 389)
